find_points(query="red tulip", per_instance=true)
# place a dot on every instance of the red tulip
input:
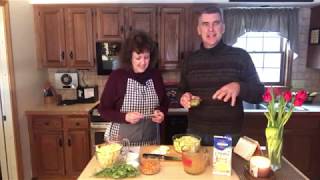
(287, 96)
(276, 92)
(300, 98)
(267, 96)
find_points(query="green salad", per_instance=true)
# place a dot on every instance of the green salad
(118, 171)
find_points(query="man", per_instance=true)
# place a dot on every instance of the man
(220, 76)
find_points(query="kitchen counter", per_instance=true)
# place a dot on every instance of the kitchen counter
(174, 170)
(53, 109)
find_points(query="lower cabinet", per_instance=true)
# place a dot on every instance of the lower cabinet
(59, 145)
(301, 139)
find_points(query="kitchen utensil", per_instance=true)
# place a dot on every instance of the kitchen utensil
(159, 156)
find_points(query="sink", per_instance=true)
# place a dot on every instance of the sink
(253, 106)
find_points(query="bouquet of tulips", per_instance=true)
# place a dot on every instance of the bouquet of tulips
(279, 110)
(281, 104)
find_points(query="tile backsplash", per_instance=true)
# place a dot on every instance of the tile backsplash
(90, 78)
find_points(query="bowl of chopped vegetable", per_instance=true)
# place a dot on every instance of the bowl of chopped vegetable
(190, 142)
(107, 154)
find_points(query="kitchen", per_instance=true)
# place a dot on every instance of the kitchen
(29, 79)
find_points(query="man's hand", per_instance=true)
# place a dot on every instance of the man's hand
(133, 117)
(158, 116)
(230, 90)
(186, 98)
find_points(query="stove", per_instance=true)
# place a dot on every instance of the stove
(97, 128)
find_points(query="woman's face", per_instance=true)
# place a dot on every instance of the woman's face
(140, 62)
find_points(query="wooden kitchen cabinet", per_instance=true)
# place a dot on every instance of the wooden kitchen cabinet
(64, 36)
(313, 60)
(115, 23)
(173, 29)
(59, 144)
(301, 139)
(110, 23)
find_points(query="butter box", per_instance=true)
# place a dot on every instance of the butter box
(222, 154)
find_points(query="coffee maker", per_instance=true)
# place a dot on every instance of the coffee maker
(87, 94)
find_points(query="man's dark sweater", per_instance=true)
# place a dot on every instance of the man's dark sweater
(206, 71)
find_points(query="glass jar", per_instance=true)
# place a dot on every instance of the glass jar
(195, 162)
(149, 166)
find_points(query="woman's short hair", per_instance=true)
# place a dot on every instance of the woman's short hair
(139, 42)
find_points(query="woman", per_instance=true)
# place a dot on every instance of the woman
(134, 98)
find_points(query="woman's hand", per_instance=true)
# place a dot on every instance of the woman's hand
(133, 117)
(158, 116)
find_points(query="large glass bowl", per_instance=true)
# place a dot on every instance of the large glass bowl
(189, 142)
(108, 154)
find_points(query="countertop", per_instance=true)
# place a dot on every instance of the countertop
(174, 170)
(305, 108)
(53, 109)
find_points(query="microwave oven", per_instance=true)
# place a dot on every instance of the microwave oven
(107, 57)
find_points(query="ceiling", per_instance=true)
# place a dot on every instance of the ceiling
(220, 2)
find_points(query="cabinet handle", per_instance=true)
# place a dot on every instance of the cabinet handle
(62, 55)
(71, 55)
(46, 123)
(121, 29)
(77, 124)
(60, 142)
(182, 55)
(130, 28)
(69, 141)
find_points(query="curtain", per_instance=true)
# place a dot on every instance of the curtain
(282, 20)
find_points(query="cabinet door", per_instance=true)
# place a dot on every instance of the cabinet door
(172, 38)
(79, 37)
(110, 24)
(142, 18)
(48, 147)
(77, 151)
(51, 39)
(194, 37)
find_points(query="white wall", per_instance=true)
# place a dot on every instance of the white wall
(29, 79)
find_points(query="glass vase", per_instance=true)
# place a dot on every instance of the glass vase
(274, 136)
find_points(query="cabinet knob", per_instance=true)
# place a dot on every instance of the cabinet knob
(121, 29)
(60, 142)
(62, 55)
(71, 55)
(69, 141)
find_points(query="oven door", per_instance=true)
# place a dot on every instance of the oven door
(97, 134)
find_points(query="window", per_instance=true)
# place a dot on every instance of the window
(268, 53)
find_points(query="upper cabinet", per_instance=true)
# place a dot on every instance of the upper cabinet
(172, 36)
(194, 40)
(143, 18)
(110, 23)
(115, 23)
(66, 34)
(313, 60)
(64, 37)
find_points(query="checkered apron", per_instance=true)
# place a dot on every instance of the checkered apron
(138, 98)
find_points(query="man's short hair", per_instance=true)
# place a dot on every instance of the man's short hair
(211, 10)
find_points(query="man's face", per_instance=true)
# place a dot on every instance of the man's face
(210, 28)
